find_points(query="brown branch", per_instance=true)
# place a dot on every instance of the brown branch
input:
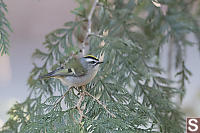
(78, 106)
(89, 28)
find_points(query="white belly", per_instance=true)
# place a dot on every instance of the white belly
(79, 81)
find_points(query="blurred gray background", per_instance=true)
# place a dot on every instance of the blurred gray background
(31, 20)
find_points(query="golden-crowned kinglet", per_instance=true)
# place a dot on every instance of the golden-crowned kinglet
(77, 72)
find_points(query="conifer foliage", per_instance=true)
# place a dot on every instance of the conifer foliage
(130, 93)
(4, 28)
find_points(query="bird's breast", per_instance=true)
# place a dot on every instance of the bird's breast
(79, 80)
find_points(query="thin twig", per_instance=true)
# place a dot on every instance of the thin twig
(91, 14)
(96, 35)
(78, 106)
(99, 102)
(89, 29)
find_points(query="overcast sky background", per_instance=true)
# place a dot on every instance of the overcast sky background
(31, 20)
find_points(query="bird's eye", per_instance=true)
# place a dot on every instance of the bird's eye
(92, 62)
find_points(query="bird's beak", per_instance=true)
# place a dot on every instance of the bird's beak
(99, 62)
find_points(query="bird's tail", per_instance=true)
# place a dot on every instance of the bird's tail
(48, 75)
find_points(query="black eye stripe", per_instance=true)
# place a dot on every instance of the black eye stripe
(69, 70)
(92, 62)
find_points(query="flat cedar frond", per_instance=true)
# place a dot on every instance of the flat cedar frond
(4, 28)
(130, 93)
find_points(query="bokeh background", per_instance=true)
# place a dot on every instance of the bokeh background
(31, 20)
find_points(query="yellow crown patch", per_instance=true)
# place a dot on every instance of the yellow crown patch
(91, 56)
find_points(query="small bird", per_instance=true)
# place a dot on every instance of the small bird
(77, 72)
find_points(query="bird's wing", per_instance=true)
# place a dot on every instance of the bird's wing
(77, 68)
(59, 72)
(73, 68)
